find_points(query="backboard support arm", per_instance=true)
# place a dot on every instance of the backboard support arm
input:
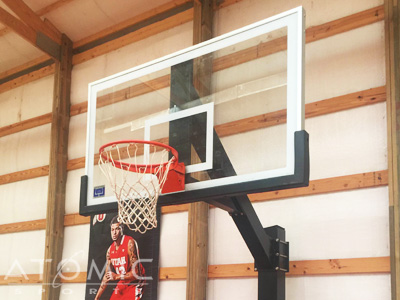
(267, 245)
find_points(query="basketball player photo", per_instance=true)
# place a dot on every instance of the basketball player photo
(122, 264)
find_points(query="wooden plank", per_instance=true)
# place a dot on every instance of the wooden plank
(57, 171)
(124, 94)
(172, 273)
(24, 12)
(318, 108)
(41, 12)
(135, 36)
(328, 185)
(344, 24)
(20, 279)
(316, 187)
(368, 265)
(27, 65)
(132, 21)
(264, 49)
(174, 208)
(75, 219)
(69, 220)
(73, 277)
(24, 175)
(345, 102)
(25, 125)
(23, 226)
(35, 75)
(78, 163)
(26, 68)
(323, 267)
(16, 25)
(32, 28)
(392, 61)
(313, 34)
(353, 100)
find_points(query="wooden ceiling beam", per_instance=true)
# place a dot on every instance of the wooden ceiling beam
(28, 16)
(19, 27)
(41, 12)
(37, 32)
(30, 35)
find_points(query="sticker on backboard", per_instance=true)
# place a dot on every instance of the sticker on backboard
(99, 191)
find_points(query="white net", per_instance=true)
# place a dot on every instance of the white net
(137, 173)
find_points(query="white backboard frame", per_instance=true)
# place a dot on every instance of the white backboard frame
(293, 20)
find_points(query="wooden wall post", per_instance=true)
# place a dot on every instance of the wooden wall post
(57, 173)
(392, 47)
(197, 263)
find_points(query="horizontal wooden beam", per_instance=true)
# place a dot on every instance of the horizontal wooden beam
(145, 32)
(328, 185)
(17, 72)
(24, 175)
(344, 24)
(316, 187)
(312, 34)
(23, 226)
(69, 220)
(318, 108)
(365, 265)
(25, 125)
(24, 79)
(75, 219)
(375, 265)
(23, 67)
(353, 100)
(261, 50)
(323, 267)
(314, 109)
(124, 94)
(145, 19)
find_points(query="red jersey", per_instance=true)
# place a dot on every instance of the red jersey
(120, 257)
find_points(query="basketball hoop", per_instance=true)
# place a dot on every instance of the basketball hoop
(138, 172)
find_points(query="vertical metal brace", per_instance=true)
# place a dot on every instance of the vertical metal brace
(271, 281)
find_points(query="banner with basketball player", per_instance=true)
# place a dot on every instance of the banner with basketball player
(122, 264)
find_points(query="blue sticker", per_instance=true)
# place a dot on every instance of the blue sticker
(99, 191)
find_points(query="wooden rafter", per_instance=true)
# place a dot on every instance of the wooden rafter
(19, 27)
(31, 19)
(30, 27)
(41, 12)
